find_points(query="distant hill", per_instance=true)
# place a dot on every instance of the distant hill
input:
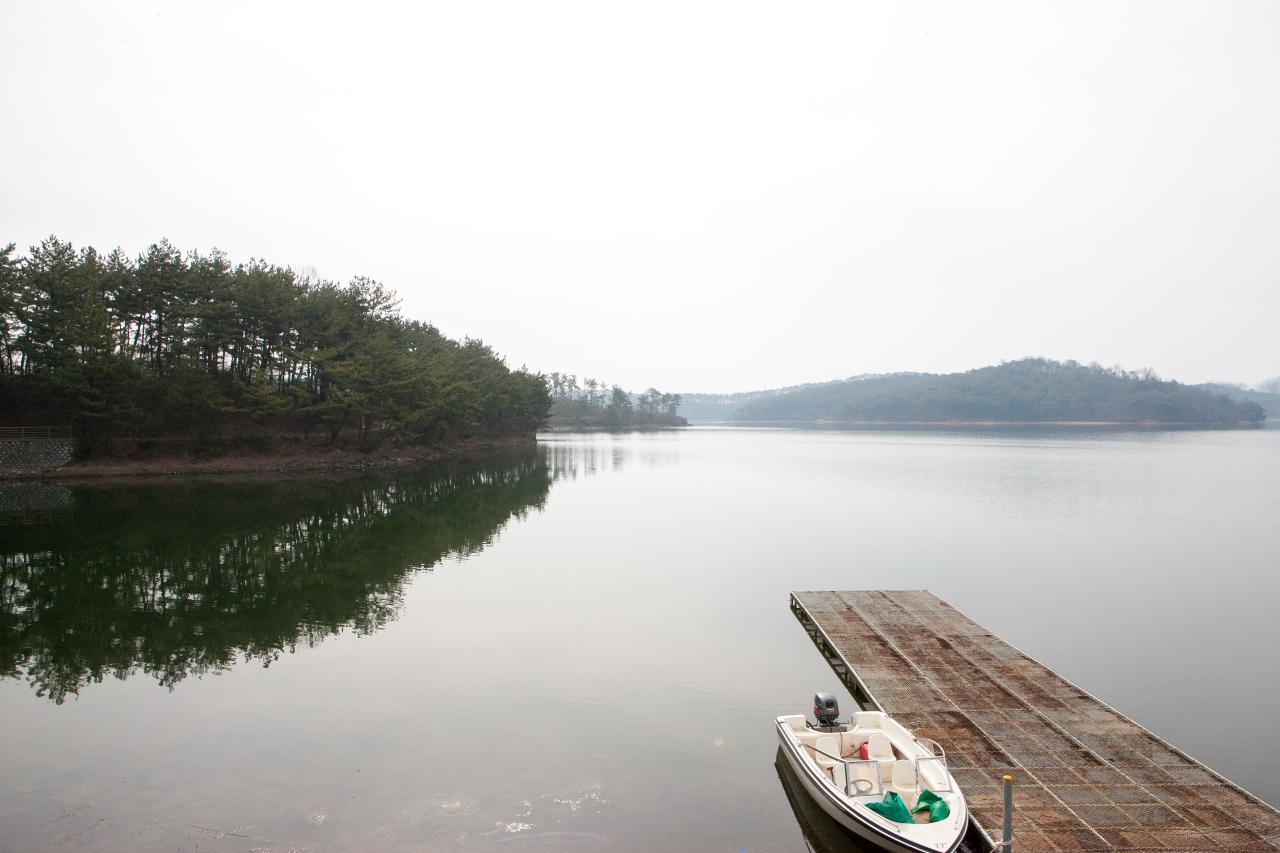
(1030, 390)
(1268, 400)
(701, 408)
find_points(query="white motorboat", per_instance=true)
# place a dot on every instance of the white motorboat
(876, 779)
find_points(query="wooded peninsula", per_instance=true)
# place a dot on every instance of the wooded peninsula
(189, 349)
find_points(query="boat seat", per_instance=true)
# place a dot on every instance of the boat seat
(879, 748)
(867, 719)
(833, 768)
(828, 744)
(807, 738)
(904, 781)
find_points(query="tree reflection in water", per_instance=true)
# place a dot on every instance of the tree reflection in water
(186, 579)
(569, 457)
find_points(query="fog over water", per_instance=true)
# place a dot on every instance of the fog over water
(775, 194)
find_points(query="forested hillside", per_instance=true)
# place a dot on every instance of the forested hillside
(1268, 400)
(701, 408)
(169, 342)
(1029, 390)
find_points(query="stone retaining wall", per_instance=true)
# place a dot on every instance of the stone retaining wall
(28, 455)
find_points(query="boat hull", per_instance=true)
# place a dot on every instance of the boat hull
(840, 811)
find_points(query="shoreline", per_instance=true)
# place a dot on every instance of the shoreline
(297, 460)
(560, 429)
(969, 424)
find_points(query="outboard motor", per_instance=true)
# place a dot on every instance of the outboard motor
(825, 709)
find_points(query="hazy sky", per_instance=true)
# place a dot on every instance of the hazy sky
(698, 196)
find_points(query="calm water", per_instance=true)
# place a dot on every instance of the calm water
(582, 646)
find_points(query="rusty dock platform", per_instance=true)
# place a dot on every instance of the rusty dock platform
(1087, 777)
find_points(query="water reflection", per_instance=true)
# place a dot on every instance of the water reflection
(570, 457)
(185, 579)
(570, 461)
(607, 675)
(33, 503)
(821, 833)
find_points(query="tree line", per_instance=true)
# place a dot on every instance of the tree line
(1028, 390)
(169, 341)
(596, 404)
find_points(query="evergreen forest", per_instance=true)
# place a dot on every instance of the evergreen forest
(190, 344)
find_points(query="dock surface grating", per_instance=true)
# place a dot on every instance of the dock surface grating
(1087, 777)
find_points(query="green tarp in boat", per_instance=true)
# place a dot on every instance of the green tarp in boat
(893, 808)
(896, 810)
(938, 808)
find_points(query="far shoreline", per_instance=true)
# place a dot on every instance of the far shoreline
(1149, 426)
(561, 429)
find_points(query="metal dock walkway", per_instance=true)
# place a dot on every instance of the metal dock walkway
(1088, 777)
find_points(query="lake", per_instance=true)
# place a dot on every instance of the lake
(583, 645)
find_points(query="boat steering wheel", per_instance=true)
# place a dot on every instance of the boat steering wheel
(858, 786)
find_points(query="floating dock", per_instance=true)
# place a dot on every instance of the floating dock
(1087, 777)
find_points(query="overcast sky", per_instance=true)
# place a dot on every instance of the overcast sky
(697, 196)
